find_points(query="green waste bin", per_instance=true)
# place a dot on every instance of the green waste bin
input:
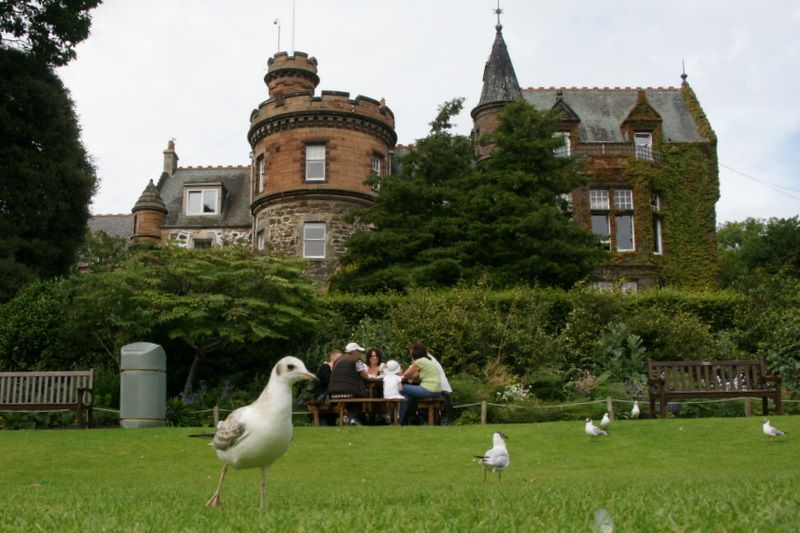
(143, 385)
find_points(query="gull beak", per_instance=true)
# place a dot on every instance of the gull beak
(310, 376)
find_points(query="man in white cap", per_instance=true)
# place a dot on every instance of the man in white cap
(347, 380)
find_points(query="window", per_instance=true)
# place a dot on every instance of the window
(601, 228)
(658, 245)
(202, 201)
(315, 162)
(565, 202)
(261, 240)
(643, 145)
(623, 199)
(565, 149)
(630, 286)
(624, 233)
(199, 244)
(598, 199)
(377, 165)
(314, 240)
(605, 286)
(260, 173)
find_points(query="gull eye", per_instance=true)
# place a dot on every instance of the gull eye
(290, 367)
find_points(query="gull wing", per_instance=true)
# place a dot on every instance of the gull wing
(229, 431)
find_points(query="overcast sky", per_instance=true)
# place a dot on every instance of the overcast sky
(193, 70)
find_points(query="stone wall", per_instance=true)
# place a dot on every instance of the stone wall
(217, 236)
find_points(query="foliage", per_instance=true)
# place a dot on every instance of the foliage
(102, 253)
(46, 176)
(442, 220)
(102, 478)
(771, 246)
(48, 29)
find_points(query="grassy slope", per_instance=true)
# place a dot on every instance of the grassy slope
(651, 475)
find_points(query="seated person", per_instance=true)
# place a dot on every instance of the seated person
(447, 390)
(347, 380)
(392, 381)
(324, 374)
(374, 364)
(430, 385)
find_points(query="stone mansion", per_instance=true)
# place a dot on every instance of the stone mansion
(651, 157)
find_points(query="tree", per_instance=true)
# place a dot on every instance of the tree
(755, 245)
(48, 29)
(46, 177)
(443, 219)
(216, 297)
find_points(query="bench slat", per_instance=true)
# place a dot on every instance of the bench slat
(48, 391)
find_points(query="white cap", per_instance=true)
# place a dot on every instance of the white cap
(352, 347)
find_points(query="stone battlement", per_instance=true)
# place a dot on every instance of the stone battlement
(336, 102)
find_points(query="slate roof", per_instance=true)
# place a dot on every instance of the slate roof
(235, 183)
(499, 80)
(112, 225)
(602, 110)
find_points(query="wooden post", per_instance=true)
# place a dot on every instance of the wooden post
(215, 414)
(484, 409)
(610, 407)
(747, 408)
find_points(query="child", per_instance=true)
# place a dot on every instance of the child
(392, 382)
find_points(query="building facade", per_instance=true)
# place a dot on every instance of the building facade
(650, 155)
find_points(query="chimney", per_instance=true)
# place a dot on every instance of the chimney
(170, 158)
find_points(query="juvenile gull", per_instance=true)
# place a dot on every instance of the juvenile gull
(496, 458)
(593, 431)
(254, 436)
(771, 431)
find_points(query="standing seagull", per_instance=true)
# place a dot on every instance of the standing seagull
(594, 431)
(254, 436)
(496, 458)
(770, 431)
(605, 421)
(635, 410)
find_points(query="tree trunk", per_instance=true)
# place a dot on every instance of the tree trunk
(187, 387)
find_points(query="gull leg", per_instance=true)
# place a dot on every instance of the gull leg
(484, 475)
(262, 487)
(499, 475)
(214, 501)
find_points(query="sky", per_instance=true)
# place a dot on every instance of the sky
(192, 70)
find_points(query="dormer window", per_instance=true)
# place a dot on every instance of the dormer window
(566, 149)
(315, 162)
(203, 201)
(643, 145)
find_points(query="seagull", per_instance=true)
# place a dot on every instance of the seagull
(635, 410)
(256, 435)
(605, 421)
(496, 458)
(770, 431)
(594, 431)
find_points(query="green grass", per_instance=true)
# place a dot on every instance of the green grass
(651, 475)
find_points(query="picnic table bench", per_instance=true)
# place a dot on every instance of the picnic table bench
(677, 380)
(433, 406)
(49, 391)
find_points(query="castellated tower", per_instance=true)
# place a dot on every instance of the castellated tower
(310, 158)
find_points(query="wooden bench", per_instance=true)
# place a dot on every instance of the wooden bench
(48, 391)
(338, 406)
(740, 378)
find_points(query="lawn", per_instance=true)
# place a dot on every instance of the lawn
(651, 475)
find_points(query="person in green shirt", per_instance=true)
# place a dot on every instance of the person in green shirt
(424, 370)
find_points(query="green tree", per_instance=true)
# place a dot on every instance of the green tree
(443, 219)
(216, 297)
(755, 245)
(46, 177)
(48, 29)
(101, 252)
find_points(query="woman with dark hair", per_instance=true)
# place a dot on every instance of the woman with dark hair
(375, 364)
(423, 370)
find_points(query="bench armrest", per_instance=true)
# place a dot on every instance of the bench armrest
(774, 378)
(656, 381)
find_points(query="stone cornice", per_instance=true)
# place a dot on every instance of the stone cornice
(322, 194)
(318, 118)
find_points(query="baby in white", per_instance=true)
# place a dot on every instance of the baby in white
(392, 381)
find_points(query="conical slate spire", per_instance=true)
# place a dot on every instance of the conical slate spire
(499, 80)
(150, 200)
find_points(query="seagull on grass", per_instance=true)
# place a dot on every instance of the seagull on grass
(771, 431)
(256, 435)
(635, 411)
(496, 458)
(593, 431)
(605, 421)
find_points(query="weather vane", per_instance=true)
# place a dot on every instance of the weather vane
(498, 12)
(277, 22)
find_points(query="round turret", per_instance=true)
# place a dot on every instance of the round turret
(291, 74)
(149, 214)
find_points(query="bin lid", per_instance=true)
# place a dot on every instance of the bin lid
(143, 356)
